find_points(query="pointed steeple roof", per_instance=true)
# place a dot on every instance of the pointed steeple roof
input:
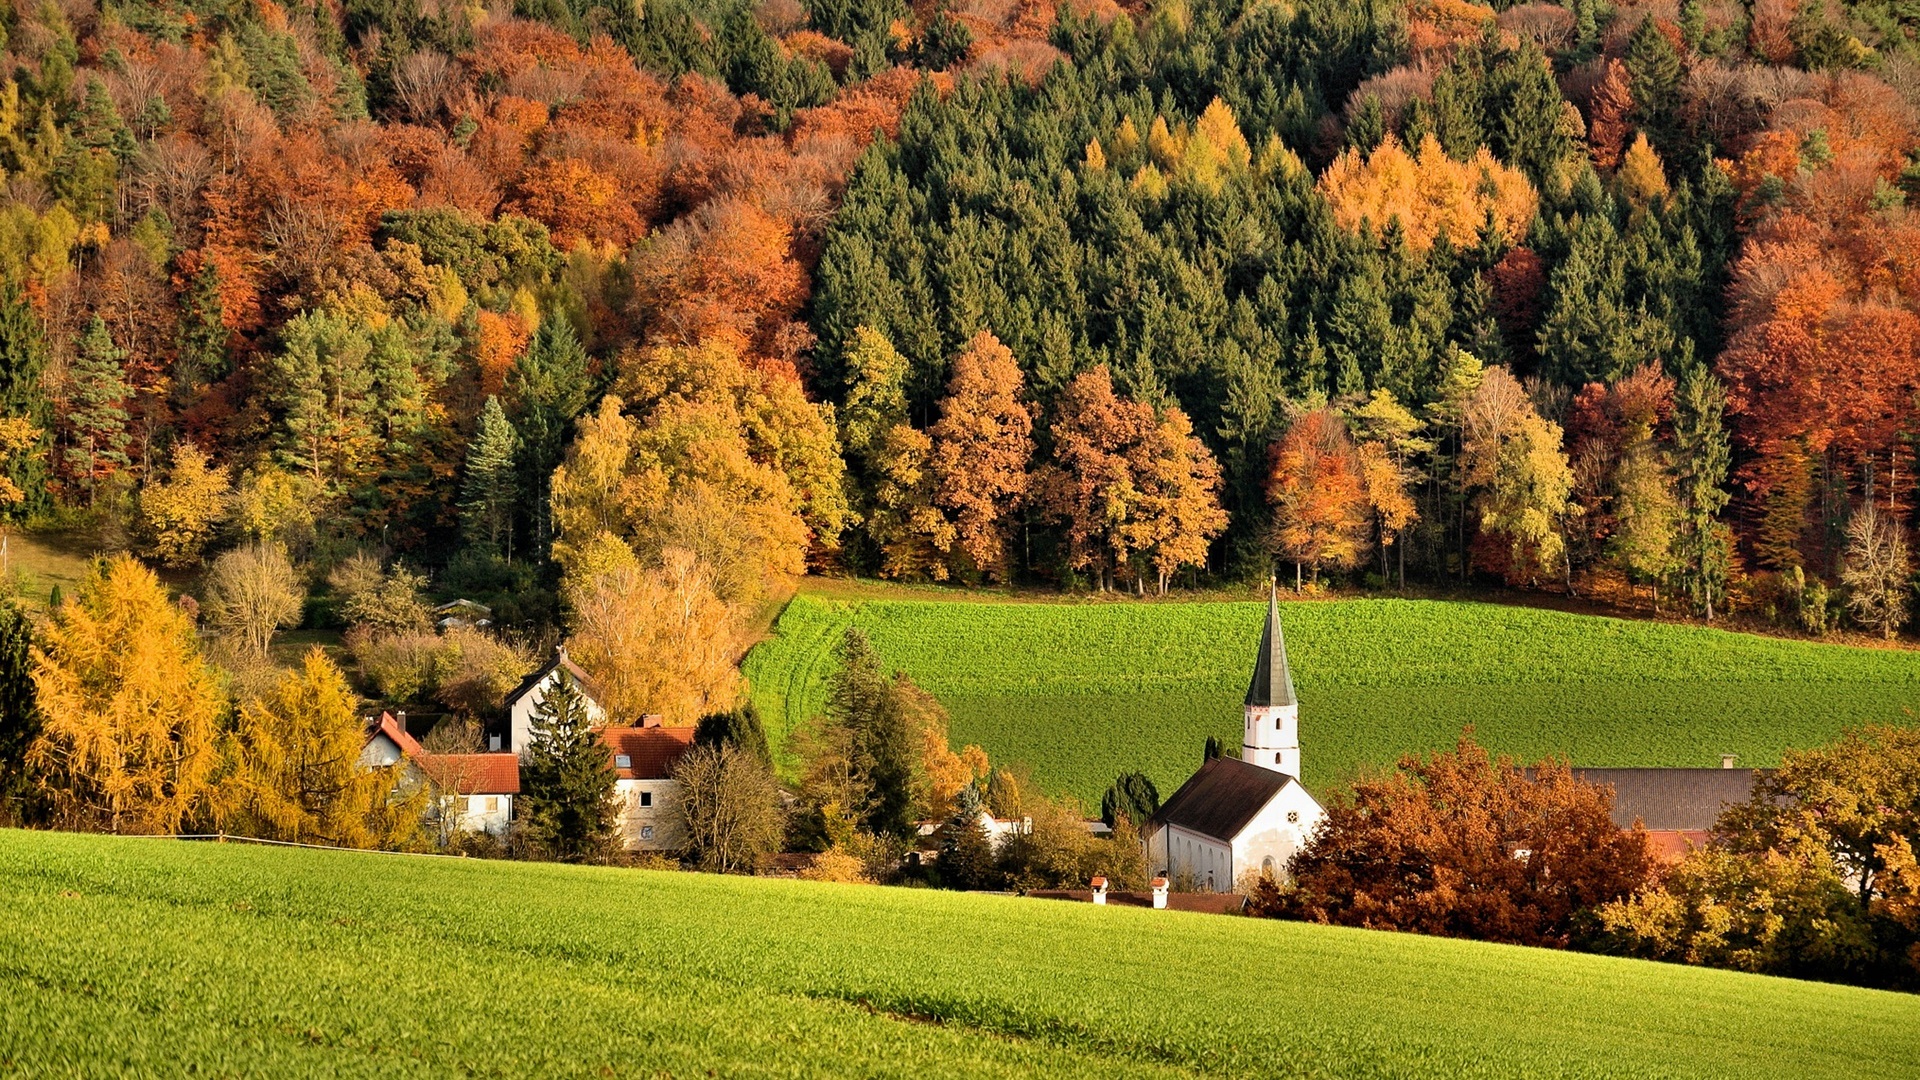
(1272, 681)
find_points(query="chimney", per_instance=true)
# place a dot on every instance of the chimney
(1099, 890)
(401, 716)
(1726, 761)
(493, 743)
(1159, 893)
(650, 720)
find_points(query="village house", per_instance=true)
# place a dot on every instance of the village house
(479, 790)
(1246, 816)
(1677, 807)
(526, 698)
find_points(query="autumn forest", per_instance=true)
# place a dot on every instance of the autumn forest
(583, 311)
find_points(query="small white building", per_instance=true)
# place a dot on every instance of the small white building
(1235, 817)
(532, 691)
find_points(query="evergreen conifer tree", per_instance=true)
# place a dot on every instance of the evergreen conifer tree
(567, 777)
(202, 340)
(488, 495)
(19, 712)
(1133, 796)
(23, 358)
(966, 851)
(862, 697)
(1702, 456)
(549, 386)
(739, 727)
(97, 414)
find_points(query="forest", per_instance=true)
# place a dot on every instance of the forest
(617, 318)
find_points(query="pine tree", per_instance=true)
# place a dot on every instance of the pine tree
(966, 851)
(567, 777)
(97, 411)
(19, 712)
(548, 387)
(488, 495)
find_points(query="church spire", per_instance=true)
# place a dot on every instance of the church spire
(1272, 682)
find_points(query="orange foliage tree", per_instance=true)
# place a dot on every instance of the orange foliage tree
(1428, 193)
(1319, 495)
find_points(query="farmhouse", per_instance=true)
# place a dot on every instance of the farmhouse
(480, 790)
(1250, 815)
(526, 697)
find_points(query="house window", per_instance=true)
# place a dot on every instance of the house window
(646, 798)
(622, 761)
(1276, 757)
(1279, 724)
(1293, 817)
(646, 832)
(489, 804)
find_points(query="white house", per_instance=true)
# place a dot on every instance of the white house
(532, 691)
(1250, 815)
(644, 757)
(477, 789)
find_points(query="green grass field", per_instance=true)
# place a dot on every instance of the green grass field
(126, 957)
(1079, 692)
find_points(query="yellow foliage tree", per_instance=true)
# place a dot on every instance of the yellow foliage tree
(129, 707)
(1641, 177)
(655, 641)
(1428, 193)
(179, 514)
(705, 452)
(291, 769)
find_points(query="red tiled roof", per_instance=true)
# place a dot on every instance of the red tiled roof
(1672, 845)
(652, 751)
(397, 732)
(473, 774)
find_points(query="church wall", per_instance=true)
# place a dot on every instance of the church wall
(1183, 853)
(1270, 835)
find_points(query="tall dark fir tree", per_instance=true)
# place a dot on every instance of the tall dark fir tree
(567, 777)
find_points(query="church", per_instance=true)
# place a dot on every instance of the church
(1248, 815)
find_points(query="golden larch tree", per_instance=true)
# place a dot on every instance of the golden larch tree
(130, 707)
(291, 769)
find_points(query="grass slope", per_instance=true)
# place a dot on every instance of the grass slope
(1080, 692)
(157, 958)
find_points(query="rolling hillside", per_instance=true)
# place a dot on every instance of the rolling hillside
(155, 958)
(1080, 692)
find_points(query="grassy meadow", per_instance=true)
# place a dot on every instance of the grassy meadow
(1079, 692)
(158, 958)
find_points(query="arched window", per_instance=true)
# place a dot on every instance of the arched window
(1276, 757)
(1266, 866)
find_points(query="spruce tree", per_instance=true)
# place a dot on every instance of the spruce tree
(966, 851)
(548, 386)
(1702, 457)
(861, 697)
(97, 413)
(1653, 77)
(739, 727)
(488, 494)
(567, 778)
(202, 341)
(23, 358)
(19, 712)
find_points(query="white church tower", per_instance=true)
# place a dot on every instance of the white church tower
(1272, 738)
